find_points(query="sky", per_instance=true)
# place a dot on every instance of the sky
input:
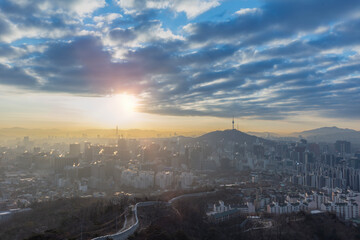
(275, 65)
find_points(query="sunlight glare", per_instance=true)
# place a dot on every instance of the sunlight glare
(126, 103)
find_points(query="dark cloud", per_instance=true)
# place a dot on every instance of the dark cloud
(84, 66)
(209, 54)
(16, 76)
(4, 28)
(344, 34)
(128, 29)
(276, 19)
(122, 35)
(7, 50)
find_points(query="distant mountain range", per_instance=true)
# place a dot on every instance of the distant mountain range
(330, 134)
(326, 130)
(324, 134)
(231, 135)
(266, 135)
(92, 133)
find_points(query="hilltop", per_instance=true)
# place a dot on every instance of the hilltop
(232, 136)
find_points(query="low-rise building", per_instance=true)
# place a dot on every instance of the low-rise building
(345, 210)
(287, 207)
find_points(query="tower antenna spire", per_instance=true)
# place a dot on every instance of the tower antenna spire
(233, 122)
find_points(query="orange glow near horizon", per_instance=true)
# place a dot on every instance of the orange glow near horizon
(125, 110)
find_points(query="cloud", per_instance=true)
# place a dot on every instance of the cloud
(141, 34)
(245, 11)
(43, 18)
(192, 8)
(268, 62)
(78, 7)
(107, 18)
(16, 76)
(284, 17)
(8, 52)
(83, 66)
(122, 35)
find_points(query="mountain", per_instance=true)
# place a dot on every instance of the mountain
(266, 135)
(231, 135)
(324, 134)
(330, 135)
(327, 130)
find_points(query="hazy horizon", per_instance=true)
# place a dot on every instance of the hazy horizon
(127, 133)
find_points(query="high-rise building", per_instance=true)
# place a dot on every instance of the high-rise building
(258, 149)
(74, 150)
(328, 159)
(122, 145)
(26, 141)
(88, 152)
(61, 162)
(343, 147)
(196, 158)
(354, 162)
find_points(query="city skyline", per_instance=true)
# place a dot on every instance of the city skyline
(179, 119)
(277, 66)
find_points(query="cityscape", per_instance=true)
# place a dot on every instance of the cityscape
(179, 119)
(237, 176)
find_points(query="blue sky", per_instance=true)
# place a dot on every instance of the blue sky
(269, 63)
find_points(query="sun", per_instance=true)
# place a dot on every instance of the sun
(117, 109)
(126, 103)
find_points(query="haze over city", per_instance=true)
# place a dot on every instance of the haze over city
(179, 119)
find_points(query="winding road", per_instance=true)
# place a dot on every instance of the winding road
(131, 223)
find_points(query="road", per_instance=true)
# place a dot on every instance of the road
(131, 219)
